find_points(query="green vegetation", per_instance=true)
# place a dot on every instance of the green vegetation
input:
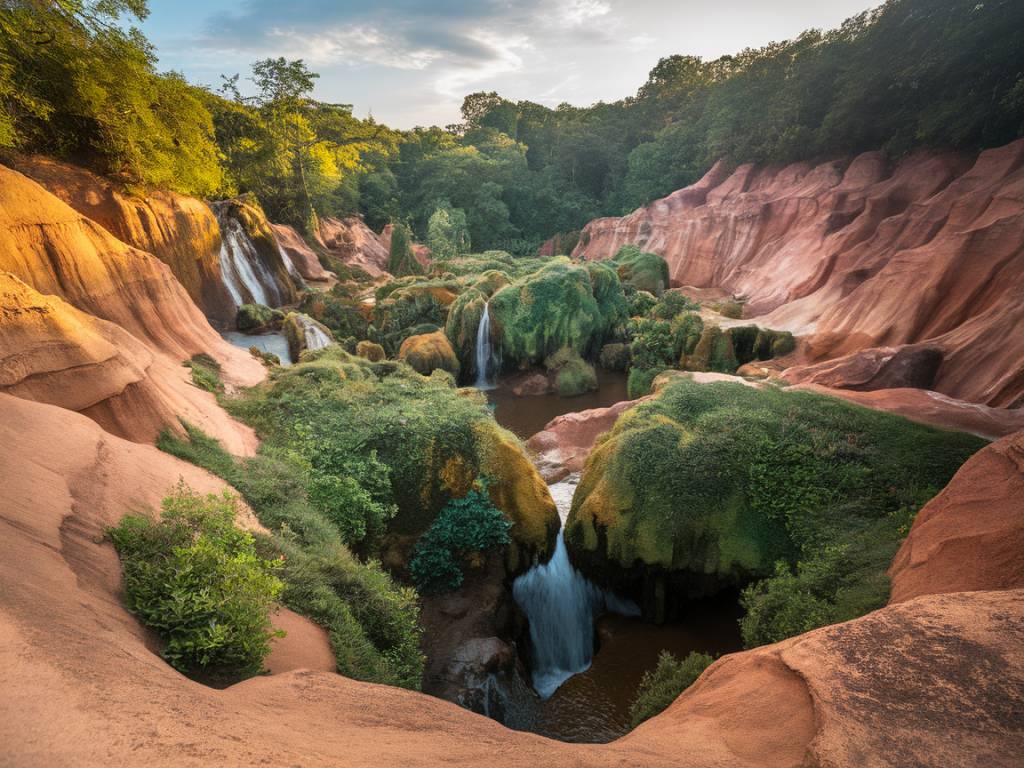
(713, 485)
(401, 262)
(253, 318)
(372, 622)
(205, 373)
(199, 582)
(661, 686)
(644, 271)
(573, 374)
(447, 232)
(639, 382)
(466, 527)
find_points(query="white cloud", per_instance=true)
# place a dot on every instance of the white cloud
(577, 12)
(457, 79)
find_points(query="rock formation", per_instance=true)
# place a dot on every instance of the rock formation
(181, 231)
(562, 447)
(429, 352)
(133, 381)
(302, 256)
(932, 681)
(354, 244)
(857, 254)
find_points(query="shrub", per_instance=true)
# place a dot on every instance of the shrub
(197, 580)
(639, 382)
(644, 271)
(205, 373)
(251, 318)
(661, 686)
(639, 303)
(465, 526)
(653, 344)
(671, 304)
(372, 352)
(573, 374)
(615, 357)
(371, 621)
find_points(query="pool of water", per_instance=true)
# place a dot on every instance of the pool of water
(275, 343)
(527, 415)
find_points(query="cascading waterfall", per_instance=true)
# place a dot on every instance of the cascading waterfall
(484, 349)
(245, 275)
(300, 281)
(315, 338)
(561, 606)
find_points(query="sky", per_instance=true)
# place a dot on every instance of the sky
(410, 62)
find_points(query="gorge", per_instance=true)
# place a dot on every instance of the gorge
(683, 430)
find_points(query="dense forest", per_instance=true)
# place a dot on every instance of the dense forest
(78, 82)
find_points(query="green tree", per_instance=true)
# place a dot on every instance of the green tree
(448, 232)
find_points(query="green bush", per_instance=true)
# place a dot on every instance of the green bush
(661, 686)
(671, 304)
(371, 621)
(251, 318)
(468, 525)
(653, 344)
(573, 375)
(198, 581)
(639, 303)
(644, 271)
(205, 373)
(639, 381)
(615, 357)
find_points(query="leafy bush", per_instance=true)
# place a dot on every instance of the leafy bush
(573, 374)
(640, 303)
(615, 357)
(639, 381)
(371, 621)
(251, 318)
(205, 373)
(671, 304)
(198, 581)
(661, 686)
(653, 344)
(465, 526)
(644, 271)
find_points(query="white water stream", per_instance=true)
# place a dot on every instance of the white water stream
(561, 606)
(245, 275)
(484, 350)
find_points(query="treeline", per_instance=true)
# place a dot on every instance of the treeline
(77, 84)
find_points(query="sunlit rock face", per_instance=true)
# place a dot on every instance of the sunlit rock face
(857, 254)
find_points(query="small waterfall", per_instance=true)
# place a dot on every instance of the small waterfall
(484, 350)
(300, 282)
(315, 338)
(562, 606)
(245, 275)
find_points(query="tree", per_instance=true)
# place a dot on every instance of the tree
(448, 232)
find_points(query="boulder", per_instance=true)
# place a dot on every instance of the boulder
(372, 352)
(256, 318)
(353, 244)
(913, 366)
(429, 352)
(303, 334)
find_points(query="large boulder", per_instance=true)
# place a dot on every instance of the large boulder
(643, 270)
(706, 486)
(429, 352)
(914, 366)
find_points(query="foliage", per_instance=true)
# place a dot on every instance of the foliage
(400, 259)
(447, 232)
(661, 686)
(716, 483)
(198, 581)
(205, 373)
(639, 381)
(471, 524)
(672, 304)
(252, 318)
(371, 621)
(642, 270)
(573, 375)
(615, 356)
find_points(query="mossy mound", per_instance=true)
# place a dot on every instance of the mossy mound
(491, 281)
(642, 270)
(723, 351)
(461, 326)
(338, 311)
(437, 442)
(368, 350)
(561, 305)
(429, 352)
(708, 486)
(614, 357)
(257, 318)
(304, 333)
(572, 374)
(407, 306)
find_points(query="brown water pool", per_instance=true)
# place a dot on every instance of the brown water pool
(526, 416)
(594, 706)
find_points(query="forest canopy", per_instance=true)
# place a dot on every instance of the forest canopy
(79, 83)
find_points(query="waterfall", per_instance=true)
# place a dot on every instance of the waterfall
(561, 606)
(300, 281)
(245, 275)
(484, 351)
(315, 338)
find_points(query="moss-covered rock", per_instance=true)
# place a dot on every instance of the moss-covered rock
(304, 333)
(368, 350)
(429, 352)
(561, 305)
(400, 311)
(338, 310)
(572, 374)
(256, 318)
(644, 271)
(723, 351)
(708, 486)
(437, 442)
(614, 356)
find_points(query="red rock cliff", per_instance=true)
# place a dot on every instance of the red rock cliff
(858, 254)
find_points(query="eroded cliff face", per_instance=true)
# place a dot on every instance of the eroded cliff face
(305, 260)
(936, 680)
(854, 255)
(181, 231)
(103, 328)
(354, 244)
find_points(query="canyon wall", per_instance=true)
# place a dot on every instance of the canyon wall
(859, 254)
(81, 305)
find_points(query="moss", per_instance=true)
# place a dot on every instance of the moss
(205, 373)
(639, 382)
(294, 329)
(429, 352)
(553, 308)
(614, 357)
(341, 313)
(644, 271)
(413, 303)
(463, 320)
(710, 485)
(370, 351)
(253, 318)
(572, 374)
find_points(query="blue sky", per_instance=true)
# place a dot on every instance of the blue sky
(410, 62)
